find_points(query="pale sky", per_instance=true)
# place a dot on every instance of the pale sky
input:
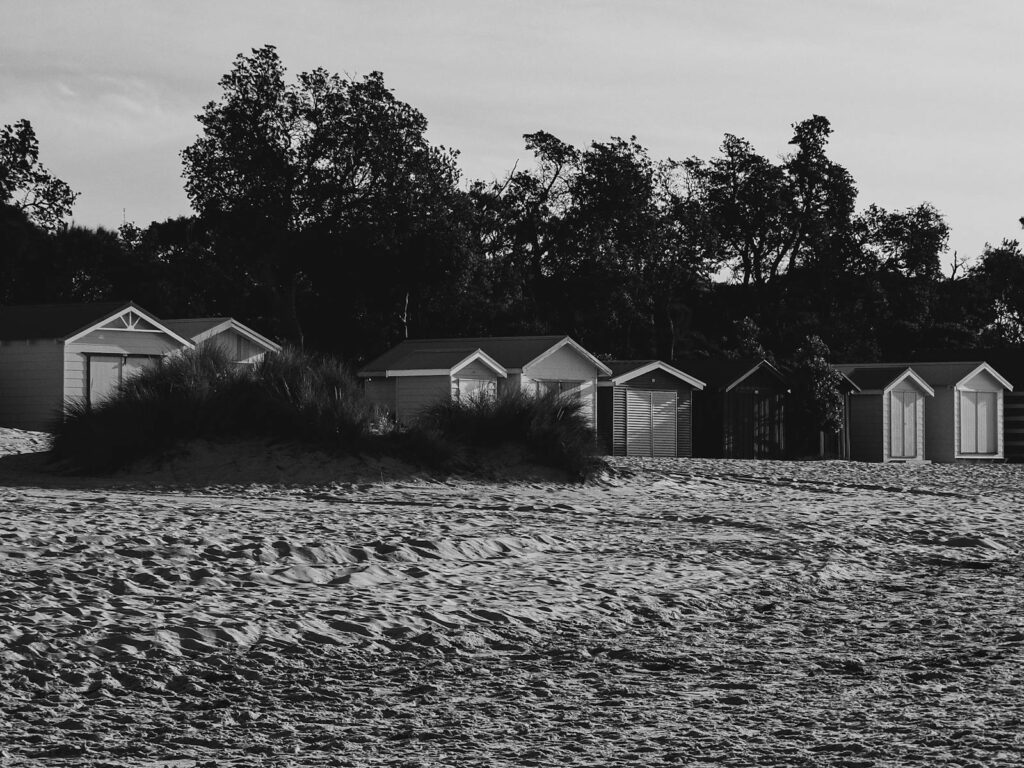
(926, 97)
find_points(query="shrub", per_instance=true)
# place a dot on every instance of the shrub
(552, 428)
(201, 393)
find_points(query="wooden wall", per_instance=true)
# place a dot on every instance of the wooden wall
(31, 391)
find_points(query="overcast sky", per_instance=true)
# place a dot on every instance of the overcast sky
(924, 96)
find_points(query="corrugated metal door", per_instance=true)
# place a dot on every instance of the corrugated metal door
(650, 423)
(663, 423)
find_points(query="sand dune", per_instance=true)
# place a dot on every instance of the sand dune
(670, 612)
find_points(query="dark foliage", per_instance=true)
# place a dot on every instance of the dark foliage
(201, 394)
(552, 428)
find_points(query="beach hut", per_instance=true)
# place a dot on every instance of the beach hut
(241, 343)
(51, 354)
(741, 412)
(965, 419)
(645, 408)
(1009, 362)
(887, 413)
(418, 372)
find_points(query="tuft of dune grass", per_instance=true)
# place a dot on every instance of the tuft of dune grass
(553, 428)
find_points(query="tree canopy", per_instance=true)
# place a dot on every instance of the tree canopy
(324, 216)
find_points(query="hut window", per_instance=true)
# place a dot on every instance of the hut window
(557, 386)
(465, 389)
(978, 423)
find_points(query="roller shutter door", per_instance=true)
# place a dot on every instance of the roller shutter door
(650, 423)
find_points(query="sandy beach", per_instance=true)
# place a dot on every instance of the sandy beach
(690, 612)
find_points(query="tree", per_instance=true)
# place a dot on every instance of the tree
(817, 393)
(909, 243)
(26, 184)
(763, 218)
(323, 185)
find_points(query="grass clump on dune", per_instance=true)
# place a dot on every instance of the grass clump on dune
(313, 400)
(200, 393)
(553, 429)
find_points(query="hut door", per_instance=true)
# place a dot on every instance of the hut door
(104, 376)
(650, 423)
(978, 422)
(903, 425)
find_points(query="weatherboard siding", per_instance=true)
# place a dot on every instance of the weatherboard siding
(414, 394)
(76, 382)
(239, 348)
(30, 384)
(381, 393)
(612, 416)
(566, 364)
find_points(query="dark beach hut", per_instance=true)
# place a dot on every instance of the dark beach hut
(645, 408)
(887, 413)
(741, 412)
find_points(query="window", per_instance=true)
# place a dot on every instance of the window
(557, 386)
(978, 426)
(464, 390)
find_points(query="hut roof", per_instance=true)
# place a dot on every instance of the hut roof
(511, 352)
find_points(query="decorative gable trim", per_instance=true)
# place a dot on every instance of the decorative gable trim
(132, 319)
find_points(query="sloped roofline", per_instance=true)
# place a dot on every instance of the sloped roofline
(907, 373)
(234, 325)
(990, 371)
(849, 381)
(622, 378)
(566, 341)
(128, 307)
(752, 371)
(477, 354)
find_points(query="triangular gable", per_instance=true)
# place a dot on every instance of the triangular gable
(130, 318)
(985, 368)
(910, 375)
(482, 357)
(660, 366)
(230, 324)
(763, 364)
(566, 341)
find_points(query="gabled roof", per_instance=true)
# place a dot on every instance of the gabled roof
(427, 362)
(626, 370)
(948, 374)
(726, 373)
(512, 353)
(880, 377)
(201, 328)
(65, 322)
(1008, 361)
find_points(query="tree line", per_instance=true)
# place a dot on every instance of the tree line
(324, 217)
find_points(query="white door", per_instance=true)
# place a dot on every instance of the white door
(104, 376)
(978, 427)
(903, 425)
(650, 423)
